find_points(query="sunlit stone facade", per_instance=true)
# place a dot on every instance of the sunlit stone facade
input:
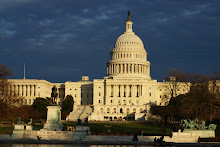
(126, 92)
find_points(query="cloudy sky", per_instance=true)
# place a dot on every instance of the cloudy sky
(61, 40)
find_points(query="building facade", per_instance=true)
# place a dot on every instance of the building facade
(125, 93)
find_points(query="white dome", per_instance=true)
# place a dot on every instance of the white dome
(128, 57)
(129, 39)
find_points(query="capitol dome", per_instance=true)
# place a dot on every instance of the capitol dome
(128, 57)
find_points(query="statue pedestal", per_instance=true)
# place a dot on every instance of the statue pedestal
(53, 122)
(19, 127)
(29, 127)
(18, 131)
(189, 136)
(201, 133)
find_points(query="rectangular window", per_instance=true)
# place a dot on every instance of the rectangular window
(112, 88)
(124, 91)
(119, 90)
(138, 90)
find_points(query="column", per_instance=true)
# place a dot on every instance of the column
(24, 90)
(132, 91)
(121, 68)
(31, 91)
(129, 68)
(114, 90)
(127, 90)
(34, 91)
(135, 90)
(142, 68)
(122, 90)
(107, 70)
(135, 68)
(132, 68)
(139, 68)
(20, 90)
(14, 90)
(111, 68)
(28, 90)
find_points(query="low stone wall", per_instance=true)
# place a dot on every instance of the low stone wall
(201, 133)
(189, 136)
(48, 135)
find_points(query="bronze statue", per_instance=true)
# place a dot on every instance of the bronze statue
(30, 122)
(54, 94)
(18, 121)
(194, 125)
(129, 19)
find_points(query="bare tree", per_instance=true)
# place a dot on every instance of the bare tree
(4, 84)
(7, 95)
(176, 83)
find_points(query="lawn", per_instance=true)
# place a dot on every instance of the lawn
(123, 128)
(117, 128)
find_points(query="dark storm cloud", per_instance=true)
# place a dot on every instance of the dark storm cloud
(61, 40)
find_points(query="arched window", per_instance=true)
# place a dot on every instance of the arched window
(134, 110)
(114, 110)
(141, 110)
(25, 102)
(108, 110)
(101, 110)
(121, 110)
(29, 101)
(127, 110)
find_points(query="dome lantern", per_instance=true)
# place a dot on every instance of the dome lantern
(129, 25)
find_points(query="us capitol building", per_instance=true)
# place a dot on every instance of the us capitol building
(126, 92)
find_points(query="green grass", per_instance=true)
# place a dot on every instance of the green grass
(116, 128)
(123, 127)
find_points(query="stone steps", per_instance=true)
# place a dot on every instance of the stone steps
(81, 112)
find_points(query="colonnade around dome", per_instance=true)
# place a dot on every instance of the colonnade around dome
(124, 68)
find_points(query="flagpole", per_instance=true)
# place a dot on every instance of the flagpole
(24, 70)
